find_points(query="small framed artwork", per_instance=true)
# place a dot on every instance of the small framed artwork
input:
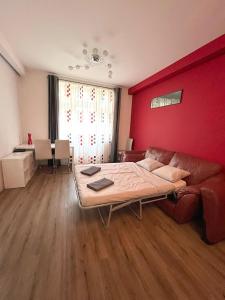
(168, 99)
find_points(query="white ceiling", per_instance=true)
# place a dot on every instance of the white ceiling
(143, 36)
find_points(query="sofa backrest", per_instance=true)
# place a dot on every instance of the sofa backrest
(200, 169)
(164, 156)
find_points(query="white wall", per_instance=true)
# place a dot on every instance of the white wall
(9, 55)
(9, 112)
(33, 101)
(33, 95)
(125, 116)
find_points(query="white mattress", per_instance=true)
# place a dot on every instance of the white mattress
(130, 182)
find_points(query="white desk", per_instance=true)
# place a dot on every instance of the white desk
(30, 147)
(27, 147)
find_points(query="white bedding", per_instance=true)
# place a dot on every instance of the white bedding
(130, 182)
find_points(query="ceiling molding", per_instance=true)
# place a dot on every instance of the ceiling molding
(7, 53)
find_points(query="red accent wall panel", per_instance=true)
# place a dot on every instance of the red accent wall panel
(197, 125)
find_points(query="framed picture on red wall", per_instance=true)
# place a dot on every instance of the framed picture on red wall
(168, 99)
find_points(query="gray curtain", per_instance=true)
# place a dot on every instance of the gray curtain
(53, 107)
(116, 125)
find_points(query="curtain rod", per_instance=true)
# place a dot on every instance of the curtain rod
(83, 82)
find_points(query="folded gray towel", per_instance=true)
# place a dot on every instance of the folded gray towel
(91, 171)
(100, 184)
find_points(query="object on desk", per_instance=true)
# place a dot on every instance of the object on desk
(100, 184)
(19, 150)
(29, 140)
(91, 171)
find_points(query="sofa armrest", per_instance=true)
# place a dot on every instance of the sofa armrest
(196, 189)
(183, 210)
(192, 189)
(187, 208)
(213, 200)
(133, 156)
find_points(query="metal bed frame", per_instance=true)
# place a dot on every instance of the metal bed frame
(116, 205)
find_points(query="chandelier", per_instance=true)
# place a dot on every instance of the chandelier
(93, 58)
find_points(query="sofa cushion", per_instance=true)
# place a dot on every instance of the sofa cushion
(200, 169)
(161, 155)
(132, 156)
(149, 164)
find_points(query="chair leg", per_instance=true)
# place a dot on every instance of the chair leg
(54, 165)
(69, 165)
(40, 166)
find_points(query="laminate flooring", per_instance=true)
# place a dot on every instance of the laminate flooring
(50, 249)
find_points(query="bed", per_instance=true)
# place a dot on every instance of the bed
(132, 184)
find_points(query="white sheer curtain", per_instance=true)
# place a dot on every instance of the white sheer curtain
(86, 118)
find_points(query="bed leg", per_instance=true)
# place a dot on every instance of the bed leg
(106, 224)
(140, 210)
(101, 217)
(139, 214)
(109, 216)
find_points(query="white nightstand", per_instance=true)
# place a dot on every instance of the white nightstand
(18, 168)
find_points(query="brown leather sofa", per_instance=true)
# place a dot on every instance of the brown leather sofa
(204, 193)
(213, 201)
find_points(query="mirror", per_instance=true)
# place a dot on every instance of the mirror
(168, 99)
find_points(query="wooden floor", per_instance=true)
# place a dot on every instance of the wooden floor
(50, 249)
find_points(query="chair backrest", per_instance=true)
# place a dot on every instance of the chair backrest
(129, 144)
(62, 149)
(42, 149)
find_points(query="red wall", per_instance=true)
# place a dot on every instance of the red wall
(197, 125)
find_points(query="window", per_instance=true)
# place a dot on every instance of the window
(86, 115)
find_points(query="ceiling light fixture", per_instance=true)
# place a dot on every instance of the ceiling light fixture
(94, 57)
